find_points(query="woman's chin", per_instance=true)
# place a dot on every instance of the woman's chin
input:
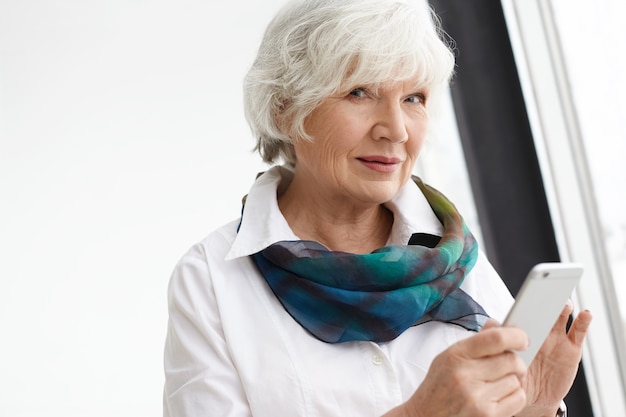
(378, 192)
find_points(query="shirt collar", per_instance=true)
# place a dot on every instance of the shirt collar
(263, 224)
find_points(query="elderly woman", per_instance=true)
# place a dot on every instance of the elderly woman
(348, 287)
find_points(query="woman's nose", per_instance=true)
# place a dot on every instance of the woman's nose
(390, 123)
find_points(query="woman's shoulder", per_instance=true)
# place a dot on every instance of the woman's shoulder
(214, 245)
(201, 264)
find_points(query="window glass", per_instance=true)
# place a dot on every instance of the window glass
(596, 73)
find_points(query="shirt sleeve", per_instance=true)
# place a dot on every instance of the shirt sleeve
(200, 378)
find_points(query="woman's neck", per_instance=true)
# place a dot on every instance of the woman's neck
(338, 225)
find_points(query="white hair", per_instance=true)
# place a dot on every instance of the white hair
(314, 49)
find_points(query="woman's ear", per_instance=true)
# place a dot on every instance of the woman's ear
(282, 119)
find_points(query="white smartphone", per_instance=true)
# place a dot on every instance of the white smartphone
(540, 300)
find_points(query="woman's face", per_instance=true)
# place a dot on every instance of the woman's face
(365, 143)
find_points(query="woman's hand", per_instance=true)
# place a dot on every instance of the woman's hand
(551, 375)
(478, 376)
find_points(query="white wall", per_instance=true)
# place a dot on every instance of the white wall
(122, 142)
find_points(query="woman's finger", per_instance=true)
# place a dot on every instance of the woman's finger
(493, 341)
(512, 403)
(560, 325)
(580, 326)
(498, 390)
(500, 366)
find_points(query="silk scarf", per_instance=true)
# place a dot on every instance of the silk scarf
(340, 297)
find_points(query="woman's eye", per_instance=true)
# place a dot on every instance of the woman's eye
(358, 92)
(417, 99)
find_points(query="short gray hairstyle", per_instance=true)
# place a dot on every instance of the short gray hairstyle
(314, 49)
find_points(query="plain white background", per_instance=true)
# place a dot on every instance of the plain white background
(122, 142)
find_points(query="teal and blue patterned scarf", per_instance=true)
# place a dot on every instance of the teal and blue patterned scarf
(340, 297)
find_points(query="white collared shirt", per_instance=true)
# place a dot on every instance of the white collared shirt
(233, 350)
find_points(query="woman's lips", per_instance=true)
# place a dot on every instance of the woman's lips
(382, 164)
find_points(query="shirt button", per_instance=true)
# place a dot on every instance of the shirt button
(377, 360)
